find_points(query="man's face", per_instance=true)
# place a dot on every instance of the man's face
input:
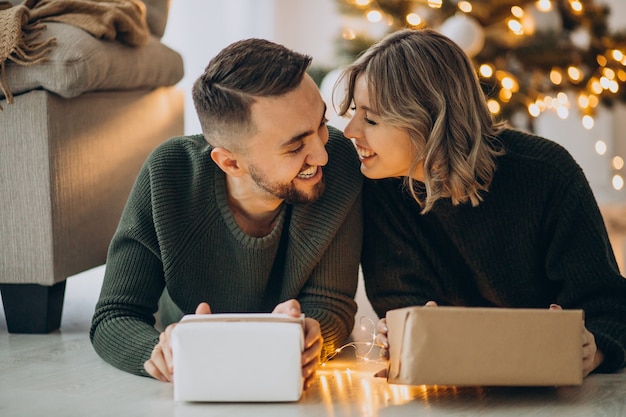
(285, 156)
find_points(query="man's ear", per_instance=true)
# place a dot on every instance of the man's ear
(227, 161)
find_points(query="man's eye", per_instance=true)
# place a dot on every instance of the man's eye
(297, 150)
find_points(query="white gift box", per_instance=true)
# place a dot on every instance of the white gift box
(238, 358)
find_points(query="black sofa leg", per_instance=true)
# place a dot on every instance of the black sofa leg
(33, 308)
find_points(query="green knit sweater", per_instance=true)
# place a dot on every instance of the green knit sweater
(177, 233)
(537, 238)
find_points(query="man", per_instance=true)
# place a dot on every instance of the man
(260, 213)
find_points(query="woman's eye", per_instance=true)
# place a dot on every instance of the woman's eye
(370, 121)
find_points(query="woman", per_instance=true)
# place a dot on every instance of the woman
(463, 211)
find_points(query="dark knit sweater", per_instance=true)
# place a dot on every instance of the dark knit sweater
(177, 232)
(537, 238)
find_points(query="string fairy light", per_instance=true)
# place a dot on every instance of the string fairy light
(371, 353)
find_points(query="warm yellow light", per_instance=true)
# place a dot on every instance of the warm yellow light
(435, 4)
(588, 122)
(621, 75)
(555, 76)
(601, 60)
(505, 95)
(494, 106)
(508, 83)
(413, 19)
(617, 162)
(515, 26)
(608, 73)
(486, 70)
(593, 101)
(374, 16)
(605, 83)
(583, 101)
(465, 6)
(613, 87)
(574, 73)
(362, 3)
(544, 5)
(534, 110)
(595, 86)
(517, 12)
(601, 147)
(576, 6)
(562, 99)
(562, 112)
(617, 54)
(348, 34)
(618, 182)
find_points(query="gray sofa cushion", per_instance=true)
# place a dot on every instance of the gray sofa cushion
(78, 63)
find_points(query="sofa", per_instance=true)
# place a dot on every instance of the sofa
(73, 137)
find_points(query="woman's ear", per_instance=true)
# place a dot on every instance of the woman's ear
(227, 161)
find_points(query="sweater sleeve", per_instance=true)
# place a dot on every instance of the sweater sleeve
(580, 257)
(122, 330)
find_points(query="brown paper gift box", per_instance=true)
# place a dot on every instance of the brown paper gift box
(484, 346)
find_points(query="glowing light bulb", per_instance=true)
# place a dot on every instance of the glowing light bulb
(465, 6)
(588, 122)
(618, 182)
(494, 106)
(486, 70)
(374, 16)
(534, 110)
(515, 26)
(544, 5)
(574, 73)
(435, 4)
(517, 12)
(555, 76)
(413, 19)
(562, 112)
(617, 162)
(601, 147)
(576, 6)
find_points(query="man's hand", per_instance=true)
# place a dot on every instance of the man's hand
(312, 340)
(161, 365)
(383, 342)
(592, 357)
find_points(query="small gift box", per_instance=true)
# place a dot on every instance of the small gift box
(484, 346)
(238, 358)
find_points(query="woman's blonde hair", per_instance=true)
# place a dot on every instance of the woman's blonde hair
(421, 81)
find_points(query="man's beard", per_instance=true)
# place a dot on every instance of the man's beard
(286, 192)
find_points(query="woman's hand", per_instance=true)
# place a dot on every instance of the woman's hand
(312, 340)
(592, 357)
(161, 365)
(383, 342)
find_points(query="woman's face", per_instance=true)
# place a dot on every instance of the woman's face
(384, 150)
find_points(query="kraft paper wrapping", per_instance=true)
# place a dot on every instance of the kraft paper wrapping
(484, 346)
(238, 358)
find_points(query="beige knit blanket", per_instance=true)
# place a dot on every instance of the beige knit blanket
(121, 20)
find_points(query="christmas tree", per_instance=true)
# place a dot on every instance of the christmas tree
(531, 56)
